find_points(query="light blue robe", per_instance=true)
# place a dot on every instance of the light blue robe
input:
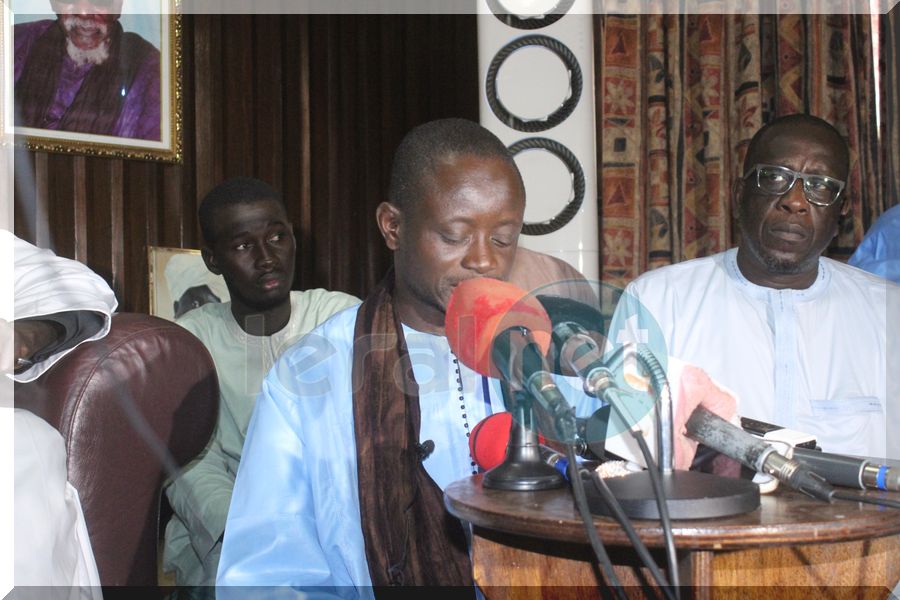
(879, 252)
(201, 494)
(294, 518)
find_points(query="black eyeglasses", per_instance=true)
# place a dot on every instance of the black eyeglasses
(820, 190)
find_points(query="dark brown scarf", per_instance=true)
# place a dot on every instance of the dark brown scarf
(410, 538)
(99, 100)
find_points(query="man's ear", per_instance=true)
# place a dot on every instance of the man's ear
(210, 259)
(389, 219)
(845, 205)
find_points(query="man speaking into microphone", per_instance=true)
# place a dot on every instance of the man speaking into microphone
(361, 425)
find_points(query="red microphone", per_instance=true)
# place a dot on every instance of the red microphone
(489, 439)
(500, 330)
(481, 308)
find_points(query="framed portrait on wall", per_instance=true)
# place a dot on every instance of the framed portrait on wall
(96, 77)
(180, 282)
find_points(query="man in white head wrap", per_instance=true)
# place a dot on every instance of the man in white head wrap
(59, 304)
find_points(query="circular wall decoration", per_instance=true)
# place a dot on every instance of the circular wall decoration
(517, 21)
(557, 116)
(571, 161)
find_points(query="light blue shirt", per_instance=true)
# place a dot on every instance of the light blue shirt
(879, 252)
(294, 518)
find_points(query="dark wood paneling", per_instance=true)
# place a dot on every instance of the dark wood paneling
(117, 226)
(61, 185)
(268, 94)
(101, 184)
(296, 159)
(314, 104)
(237, 89)
(207, 103)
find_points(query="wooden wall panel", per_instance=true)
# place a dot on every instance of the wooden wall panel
(313, 104)
(207, 102)
(267, 73)
(60, 185)
(237, 100)
(99, 192)
(296, 158)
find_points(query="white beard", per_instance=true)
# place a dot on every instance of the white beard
(94, 56)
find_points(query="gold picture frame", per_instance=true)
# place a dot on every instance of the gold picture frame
(131, 129)
(181, 272)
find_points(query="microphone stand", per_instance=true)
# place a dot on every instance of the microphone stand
(688, 494)
(522, 470)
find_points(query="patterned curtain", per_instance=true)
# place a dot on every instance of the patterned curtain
(891, 83)
(680, 96)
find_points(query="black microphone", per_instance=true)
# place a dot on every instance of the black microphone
(521, 362)
(849, 471)
(718, 434)
(574, 347)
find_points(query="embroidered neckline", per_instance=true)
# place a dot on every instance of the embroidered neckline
(817, 288)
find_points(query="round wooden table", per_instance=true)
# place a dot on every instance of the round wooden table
(791, 543)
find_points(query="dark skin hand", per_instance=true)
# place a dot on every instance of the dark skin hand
(30, 337)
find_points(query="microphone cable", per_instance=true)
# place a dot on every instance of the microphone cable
(661, 505)
(860, 497)
(632, 534)
(588, 520)
(663, 508)
(570, 451)
(661, 382)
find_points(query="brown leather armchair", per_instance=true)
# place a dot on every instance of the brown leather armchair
(132, 408)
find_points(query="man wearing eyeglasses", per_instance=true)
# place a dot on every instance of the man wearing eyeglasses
(801, 340)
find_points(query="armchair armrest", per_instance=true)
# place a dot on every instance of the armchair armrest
(132, 408)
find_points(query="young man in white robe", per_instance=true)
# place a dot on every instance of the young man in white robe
(249, 241)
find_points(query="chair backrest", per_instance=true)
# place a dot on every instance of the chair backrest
(132, 408)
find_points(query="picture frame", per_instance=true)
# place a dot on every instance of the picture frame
(180, 274)
(142, 124)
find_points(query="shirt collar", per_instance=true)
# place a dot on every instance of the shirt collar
(818, 287)
(236, 330)
(421, 339)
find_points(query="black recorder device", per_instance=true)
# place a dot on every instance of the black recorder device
(777, 433)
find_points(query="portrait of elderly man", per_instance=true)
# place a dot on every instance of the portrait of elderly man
(82, 73)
